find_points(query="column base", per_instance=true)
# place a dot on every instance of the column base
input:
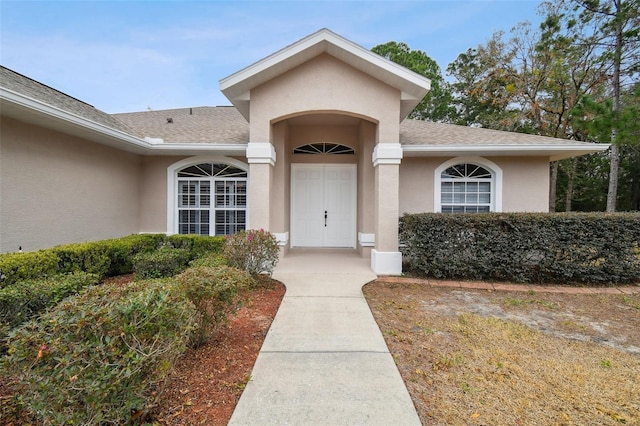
(386, 262)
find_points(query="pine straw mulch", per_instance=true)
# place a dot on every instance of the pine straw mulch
(504, 358)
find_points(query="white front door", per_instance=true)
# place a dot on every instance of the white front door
(323, 205)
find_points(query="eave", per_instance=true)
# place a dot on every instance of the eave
(554, 152)
(412, 86)
(29, 110)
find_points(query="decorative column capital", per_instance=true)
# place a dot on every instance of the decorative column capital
(261, 153)
(387, 153)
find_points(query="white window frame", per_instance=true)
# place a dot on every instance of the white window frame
(172, 185)
(496, 181)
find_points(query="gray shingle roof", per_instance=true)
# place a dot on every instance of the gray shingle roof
(190, 125)
(227, 125)
(26, 86)
(416, 132)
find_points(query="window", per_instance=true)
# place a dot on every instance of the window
(468, 185)
(211, 199)
(324, 148)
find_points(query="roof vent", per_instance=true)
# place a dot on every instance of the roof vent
(169, 120)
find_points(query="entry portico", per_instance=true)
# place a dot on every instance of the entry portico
(324, 151)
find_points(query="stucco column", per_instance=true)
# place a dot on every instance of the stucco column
(261, 158)
(386, 259)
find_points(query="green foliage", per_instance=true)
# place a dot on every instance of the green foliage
(436, 105)
(96, 357)
(164, 262)
(24, 266)
(253, 251)
(213, 259)
(197, 245)
(213, 290)
(105, 258)
(22, 301)
(543, 248)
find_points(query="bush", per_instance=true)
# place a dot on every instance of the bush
(212, 260)
(16, 267)
(164, 262)
(24, 300)
(197, 245)
(253, 251)
(522, 247)
(96, 358)
(213, 290)
(105, 258)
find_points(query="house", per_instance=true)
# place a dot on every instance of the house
(316, 149)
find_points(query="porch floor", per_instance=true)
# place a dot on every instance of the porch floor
(324, 360)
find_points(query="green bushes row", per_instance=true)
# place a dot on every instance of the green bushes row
(24, 300)
(542, 248)
(104, 258)
(97, 357)
(100, 356)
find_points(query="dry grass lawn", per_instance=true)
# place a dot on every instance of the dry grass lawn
(493, 358)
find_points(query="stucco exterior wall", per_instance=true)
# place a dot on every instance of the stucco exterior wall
(325, 84)
(59, 189)
(525, 183)
(153, 193)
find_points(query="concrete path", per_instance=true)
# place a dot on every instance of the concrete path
(324, 361)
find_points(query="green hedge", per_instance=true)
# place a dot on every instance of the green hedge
(575, 248)
(98, 357)
(105, 258)
(22, 301)
(164, 262)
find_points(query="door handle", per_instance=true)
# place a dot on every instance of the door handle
(325, 218)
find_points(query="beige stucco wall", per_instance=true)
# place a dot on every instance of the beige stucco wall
(525, 183)
(153, 193)
(58, 189)
(325, 84)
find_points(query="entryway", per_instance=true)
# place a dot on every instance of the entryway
(323, 205)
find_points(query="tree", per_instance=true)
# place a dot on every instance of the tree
(436, 105)
(612, 27)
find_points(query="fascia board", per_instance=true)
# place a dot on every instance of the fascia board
(35, 107)
(413, 86)
(554, 152)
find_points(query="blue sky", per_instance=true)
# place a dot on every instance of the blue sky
(123, 56)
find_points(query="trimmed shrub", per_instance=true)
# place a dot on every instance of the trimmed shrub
(212, 260)
(253, 251)
(98, 357)
(164, 262)
(16, 267)
(24, 300)
(198, 245)
(572, 248)
(213, 290)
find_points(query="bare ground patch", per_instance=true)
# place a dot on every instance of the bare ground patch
(492, 357)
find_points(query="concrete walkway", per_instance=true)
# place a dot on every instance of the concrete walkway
(324, 361)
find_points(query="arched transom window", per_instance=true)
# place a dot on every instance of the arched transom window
(324, 148)
(212, 199)
(466, 188)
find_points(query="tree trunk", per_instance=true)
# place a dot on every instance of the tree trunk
(614, 169)
(571, 175)
(553, 182)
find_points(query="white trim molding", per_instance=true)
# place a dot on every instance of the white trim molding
(386, 262)
(366, 240)
(386, 153)
(261, 153)
(282, 238)
(496, 180)
(172, 183)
